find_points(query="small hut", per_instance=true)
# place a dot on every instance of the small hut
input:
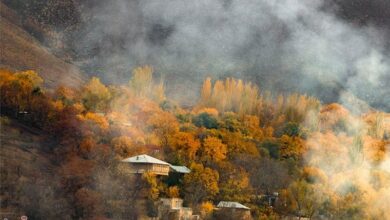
(232, 210)
(172, 208)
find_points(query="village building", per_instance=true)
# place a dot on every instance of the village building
(145, 163)
(172, 208)
(269, 199)
(232, 210)
(180, 169)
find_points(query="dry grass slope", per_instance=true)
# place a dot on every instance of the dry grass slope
(21, 51)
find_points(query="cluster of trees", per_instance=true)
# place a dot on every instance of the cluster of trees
(246, 99)
(240, 144)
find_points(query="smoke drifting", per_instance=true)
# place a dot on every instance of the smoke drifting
(353, 168)
(284, 46)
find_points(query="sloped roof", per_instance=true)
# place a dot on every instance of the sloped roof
(143, 158)
(229, 204)
(180, 169)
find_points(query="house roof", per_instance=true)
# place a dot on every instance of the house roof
(180, 169)
(143, 158)
(229, 204)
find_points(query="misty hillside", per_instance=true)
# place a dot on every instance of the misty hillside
(322, 49)
(197, 110)
(67, 148)
(20, 50)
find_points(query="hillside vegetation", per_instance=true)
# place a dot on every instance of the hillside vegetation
(28, 175)
(241, 143)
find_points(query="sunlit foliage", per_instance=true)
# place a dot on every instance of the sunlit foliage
(241, 144)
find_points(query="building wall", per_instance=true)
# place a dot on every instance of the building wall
(172, 209)
(233, 214)
(172, 203)
(158, 169)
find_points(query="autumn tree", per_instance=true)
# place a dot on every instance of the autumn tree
(64, 124)
(237, 144)
(206, 91)
(87, 147)
(230, 95)
(212, 150)
(303, 199)
(350, 205)
(142, 85)
(173, 192)
(252, 127)
(268, 176)
(93, 123)
(66, 95)
(88, 203)
(356, 150)
(123, 146)
(376, 125)
(201, 184)
(151, 189)
(164, 125)
(158, 94)
(206, 210)
(141, 80)
(234, 183)
(96, 96)
(19, 89)
(185, 146)
(291, 147)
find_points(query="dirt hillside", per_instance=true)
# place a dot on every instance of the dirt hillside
(21, 51)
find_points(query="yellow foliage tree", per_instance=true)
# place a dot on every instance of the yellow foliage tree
(206, 91)
(123, 145)
(213, 150)
(185, 145)
(201, 184)
(141, 81)
(164, 126)
(18, 89)
(151, 188)
(173, 192)
(206, 209)
(292, 147)
(100, 120)
(96, 96)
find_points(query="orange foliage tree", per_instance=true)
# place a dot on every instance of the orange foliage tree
(201, 184)
(185, 146)
(212, 150)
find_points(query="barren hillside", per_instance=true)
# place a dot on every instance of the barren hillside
(21, 51)
(27, 172)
